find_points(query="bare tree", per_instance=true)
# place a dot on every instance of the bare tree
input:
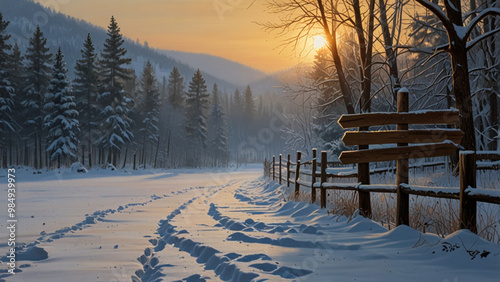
(304, 17)
(458, 45)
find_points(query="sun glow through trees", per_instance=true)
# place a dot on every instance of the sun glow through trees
(319, 42)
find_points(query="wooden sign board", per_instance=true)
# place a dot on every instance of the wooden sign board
(372, 119)
(398, 153)
(352, 138)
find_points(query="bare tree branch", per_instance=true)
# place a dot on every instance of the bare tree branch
(478, 18)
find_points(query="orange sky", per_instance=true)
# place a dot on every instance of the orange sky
(219, 27)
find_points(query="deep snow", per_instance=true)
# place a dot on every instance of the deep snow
(192, 225)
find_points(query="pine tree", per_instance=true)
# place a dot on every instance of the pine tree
(173, 112)
(85, 88)
(61, 119)
(196, 104)
(237, 105)
(38, 73)
(329, 132)
(150, 109)
(248, 118)
(113, 101)
(16, 71)
(236, 124)
(217, 132)
(322, 75)
(16, 74)
(248, 105)
(175, 88)
(6, 92)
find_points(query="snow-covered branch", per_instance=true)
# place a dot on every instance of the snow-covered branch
(430, 50)
(436, 10)
(476, 40)
(478, 18)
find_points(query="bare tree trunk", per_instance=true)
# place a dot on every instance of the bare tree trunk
(90, 152)
(135, 155)
(150, 154)
(493, 78)
(40, 153)
(461, 83)
(460, 68)
(115, 157)
(125, 158)
(389, 52)
(35, 157)
(157, 149)
(365, 51)
(110, 153)
(17, 153)
(83, 155)
(99, 157)
(26, 154)
(331, 37)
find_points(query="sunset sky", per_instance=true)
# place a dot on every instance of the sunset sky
(224, 28)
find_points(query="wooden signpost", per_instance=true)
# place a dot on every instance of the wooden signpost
(436, 142)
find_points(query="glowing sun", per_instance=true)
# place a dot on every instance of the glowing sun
(319, 42)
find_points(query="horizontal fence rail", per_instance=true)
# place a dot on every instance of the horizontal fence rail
(321, 180)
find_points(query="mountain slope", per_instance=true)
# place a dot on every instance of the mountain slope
(232, 71)
(69, 34)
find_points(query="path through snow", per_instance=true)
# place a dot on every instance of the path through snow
(234, 227)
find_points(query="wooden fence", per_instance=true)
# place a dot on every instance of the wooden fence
(467, 193)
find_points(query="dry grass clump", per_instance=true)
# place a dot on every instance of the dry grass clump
(427, 214)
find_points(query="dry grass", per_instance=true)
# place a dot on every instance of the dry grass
(342, 202)
(428, 215)
(302, 196)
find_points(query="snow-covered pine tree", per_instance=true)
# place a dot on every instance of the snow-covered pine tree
(85, 89)
(196, 131)
(16, 74)
(175, 89)
(38, 73)
(61, 120)
(217, 132)
(114, 103)
(6, 93)
(16, 71)
(327, 131)
(150, 111)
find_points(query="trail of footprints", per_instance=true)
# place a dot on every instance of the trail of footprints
(224, 265)
(32, 252)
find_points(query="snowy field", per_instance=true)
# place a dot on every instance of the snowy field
(192, 225)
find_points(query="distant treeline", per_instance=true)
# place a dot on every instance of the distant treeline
(107, 115)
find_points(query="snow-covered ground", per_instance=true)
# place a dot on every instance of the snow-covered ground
(192, 225)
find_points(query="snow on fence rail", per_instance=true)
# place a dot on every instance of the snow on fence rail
(467, 193)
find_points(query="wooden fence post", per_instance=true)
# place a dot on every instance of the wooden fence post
(288, 171)
(280, 171)
(468, 207)
(313, 177)
(297, 175)
(403, 199)
(323, 178)
(364, 201)
(274, 163)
